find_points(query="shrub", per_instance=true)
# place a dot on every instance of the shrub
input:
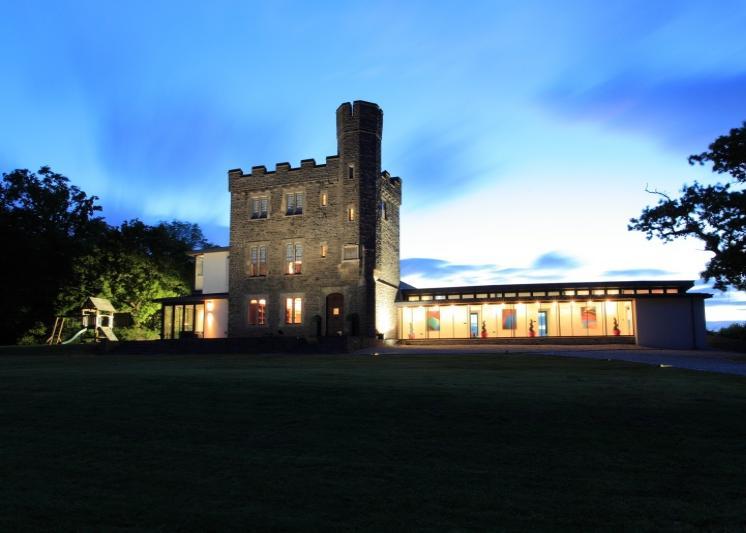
(37, 334)
(734, 331)
(136, 333)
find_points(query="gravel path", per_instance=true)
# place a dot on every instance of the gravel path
(702, 360)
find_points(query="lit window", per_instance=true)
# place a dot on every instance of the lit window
(257, 312)
(294, 203)
(324, 249)
(598, 292)
(293, 258)
(426, 297)
(672, 291)
(454, 296)
(413, 299)
(657, 291)
(258, 261)
(569, 293)
(583, 292)
(324, 198)
(350, 252)
(524, 294)
(293, 310)
(259, 207)
(351, 214)
(440, 296)
(481, 295)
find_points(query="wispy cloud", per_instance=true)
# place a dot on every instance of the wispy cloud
(555, 261)
(685, 112)
(423, 272)
(637, 273)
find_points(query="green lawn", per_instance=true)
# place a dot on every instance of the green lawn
(342, 442)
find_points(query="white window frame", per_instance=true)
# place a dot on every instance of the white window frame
(293, 253)
(354, 249)
(259, 206)
(293, 316)
(259, 298)
(257, 252)
(294, 203)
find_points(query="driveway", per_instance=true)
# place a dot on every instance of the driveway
(702, 360)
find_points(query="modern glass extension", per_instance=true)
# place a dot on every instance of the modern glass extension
(533, 319)
(595, 309)
(183, 321)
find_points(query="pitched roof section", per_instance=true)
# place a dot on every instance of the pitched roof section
(101, 304)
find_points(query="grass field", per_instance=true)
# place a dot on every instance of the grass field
(386, 443)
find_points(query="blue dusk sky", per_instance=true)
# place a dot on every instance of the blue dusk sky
(525, 132)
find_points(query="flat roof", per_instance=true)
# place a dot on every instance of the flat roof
(192, 298)
(211, 250)
(635, 289)
(681, 284)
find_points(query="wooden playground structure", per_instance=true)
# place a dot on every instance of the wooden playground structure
(97, 316)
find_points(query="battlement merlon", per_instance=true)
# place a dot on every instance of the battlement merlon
(237, 175)
(359, 117)
(392, 185)
(233, 174)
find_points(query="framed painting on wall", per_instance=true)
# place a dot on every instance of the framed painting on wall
(509, 321)
(588, 317)
(433, 320)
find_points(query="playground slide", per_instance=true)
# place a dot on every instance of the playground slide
(75, 337)
(108, 333)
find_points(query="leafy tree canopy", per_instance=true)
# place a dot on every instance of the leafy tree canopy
(715, 214)
(45, 223)
(133, 265)
(58, 252)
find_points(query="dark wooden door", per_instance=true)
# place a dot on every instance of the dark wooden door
(334, 314)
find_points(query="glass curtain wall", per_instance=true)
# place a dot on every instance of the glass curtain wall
(183, 321)
(534, 319)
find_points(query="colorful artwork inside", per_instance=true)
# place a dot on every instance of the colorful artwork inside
(509, 321)
(433, 320)
(588, 317)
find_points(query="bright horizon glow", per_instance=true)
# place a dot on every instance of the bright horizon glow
(524, 132)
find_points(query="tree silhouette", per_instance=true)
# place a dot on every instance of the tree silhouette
(714, 214)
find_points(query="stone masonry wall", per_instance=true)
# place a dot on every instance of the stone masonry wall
(387, 255)
(351, 180)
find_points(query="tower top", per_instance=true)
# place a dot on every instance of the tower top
(360, 117)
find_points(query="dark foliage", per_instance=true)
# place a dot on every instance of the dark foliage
(57, 252)
(714, 214)
(734, 331)
(45, 223)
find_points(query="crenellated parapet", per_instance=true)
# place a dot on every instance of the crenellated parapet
(281, 170)
(391, 186)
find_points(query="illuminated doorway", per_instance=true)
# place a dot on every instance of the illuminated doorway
(334, 314)
(474, 325)
(543, 323)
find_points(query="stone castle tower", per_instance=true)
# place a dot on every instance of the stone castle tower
(314, 250)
